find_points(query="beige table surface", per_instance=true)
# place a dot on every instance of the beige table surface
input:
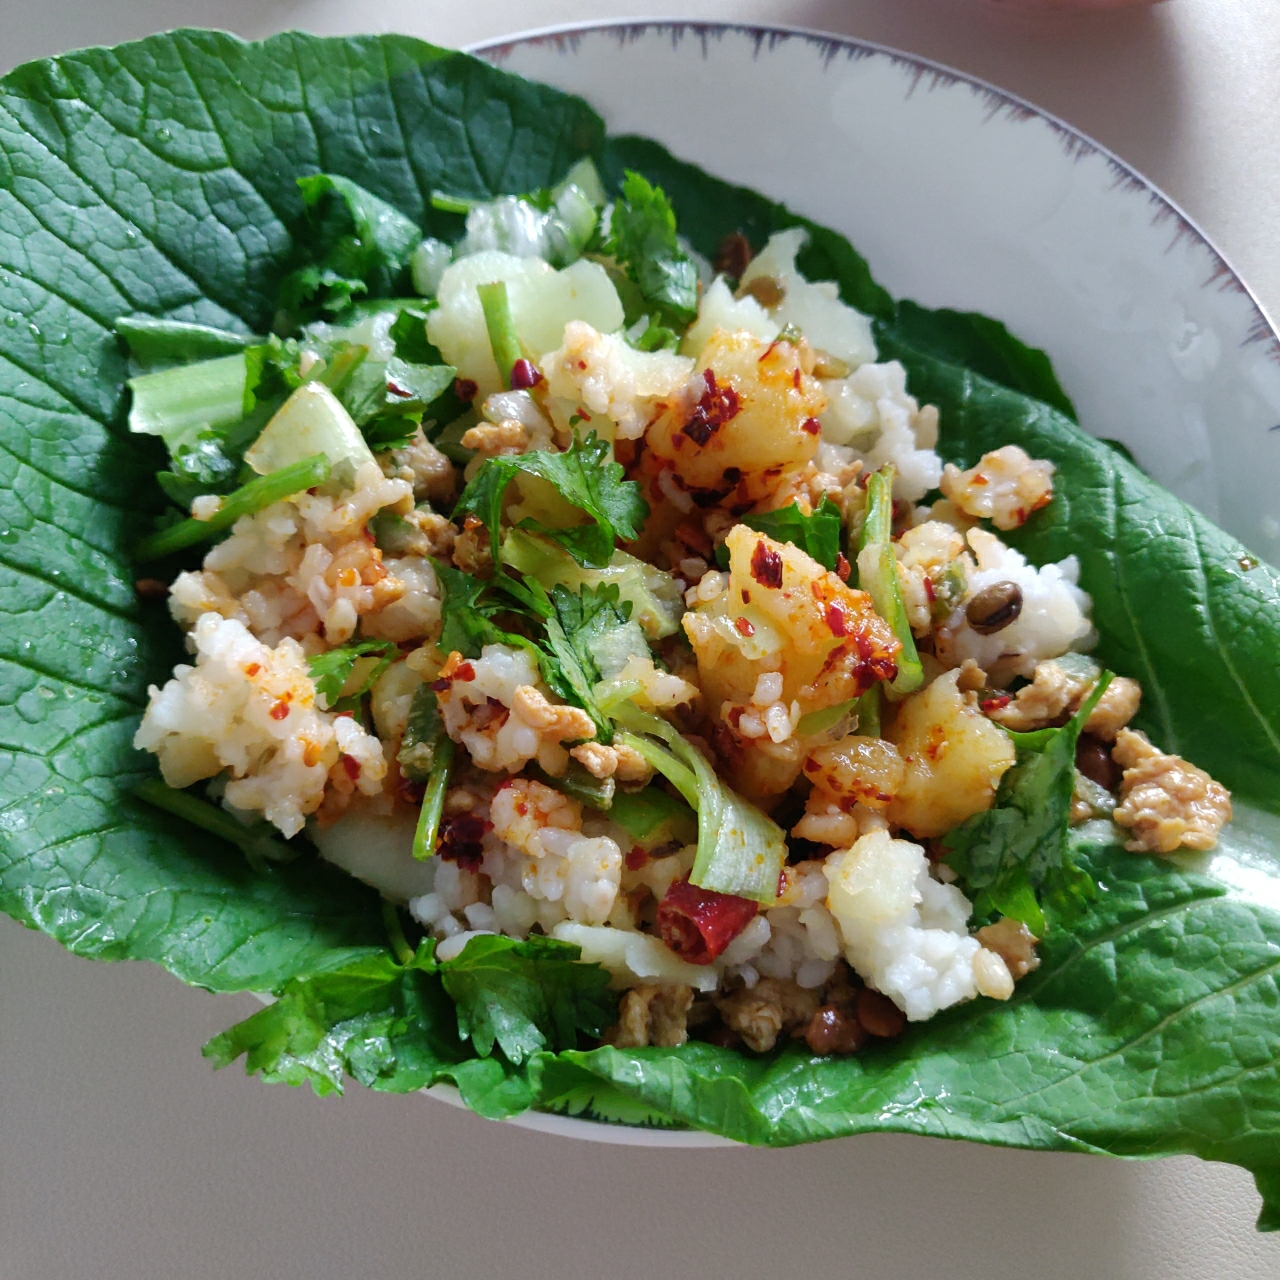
(122, 1157)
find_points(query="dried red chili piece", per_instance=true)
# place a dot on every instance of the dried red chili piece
(465, 389)
(461, 839)
(766, 566)
(697, 924)
(717, 406)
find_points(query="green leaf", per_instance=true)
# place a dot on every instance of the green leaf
(1015, 854)
(467, 608)
(527, 996)
(642, 238)
(586, 476)
(980, 344)
(580, 621)
(817, 534)
(199, 234)
(354, 244)
(333, 669)
(159, 344)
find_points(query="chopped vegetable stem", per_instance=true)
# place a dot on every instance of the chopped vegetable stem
(878, 576)
(428, 829)
(245, 501)
(258, 849)
(502, 329)
(400, 947)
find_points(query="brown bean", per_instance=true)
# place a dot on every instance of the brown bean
(1093, 759)
(767, 291)
(733, 255)
(879, 1015)
(151, 589)
(994, 608)
(834, 1029)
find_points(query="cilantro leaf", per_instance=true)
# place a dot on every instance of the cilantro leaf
(816, 534)
(1015, 855)
(467, 613)
(578, 623)
(526, 996)
(332, 670)
(642, 238)
(585, 475)
(355, 244)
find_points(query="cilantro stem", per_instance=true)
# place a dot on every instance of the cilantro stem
(446, 203)
(245, 501)
(878, 576)
(258, 849)
(428, 829)
(502, 329)
(400, 947)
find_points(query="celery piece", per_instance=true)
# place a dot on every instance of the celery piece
(245, 501)
(178, 404)
(502, 328)
(428, 828)
(258, 848)
(653, 817)
(878, 576)
(741, 851)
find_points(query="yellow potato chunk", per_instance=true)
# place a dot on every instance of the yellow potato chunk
(756, 417)
(783, 612)
(857, 770)
(954, 758)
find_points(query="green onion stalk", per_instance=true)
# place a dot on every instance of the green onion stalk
(878, 576)
(245, 501)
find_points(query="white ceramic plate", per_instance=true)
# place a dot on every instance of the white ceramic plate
(963, 196)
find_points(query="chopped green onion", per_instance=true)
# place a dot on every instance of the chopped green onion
(245, 501)
(878, 576)
(869, 712)
(428, 829)
(827, 718)
(259, 849)
(502, 329)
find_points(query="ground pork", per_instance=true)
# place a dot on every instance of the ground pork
(1005, 487)
(1166, 802)
(762, 1013)
(652, 1015)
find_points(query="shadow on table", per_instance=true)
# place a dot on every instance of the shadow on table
(1118, 76)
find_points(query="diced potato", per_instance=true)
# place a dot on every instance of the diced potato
(954, 758)
(759, 421)
(633, 958)
(873, 883)
(783, 612)
(857, 770)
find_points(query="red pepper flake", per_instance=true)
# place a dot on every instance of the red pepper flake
(697, 924)
(443, 685)
(524, 374)
(352, 767)
(465, 389)
(837, 620)
(766, 566)
(979, 479)
(843, 568)
(461, 839)
(350, 715)
(717, 406)
(252, 669)
(281, 710)
(464, 671)
(795, 379)
(989, 705)
(812, 426)
(746, 596)
(636, 858)
(395, 389)
(744, 626)
(928, 589)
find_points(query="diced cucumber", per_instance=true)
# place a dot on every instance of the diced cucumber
(312, 420)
